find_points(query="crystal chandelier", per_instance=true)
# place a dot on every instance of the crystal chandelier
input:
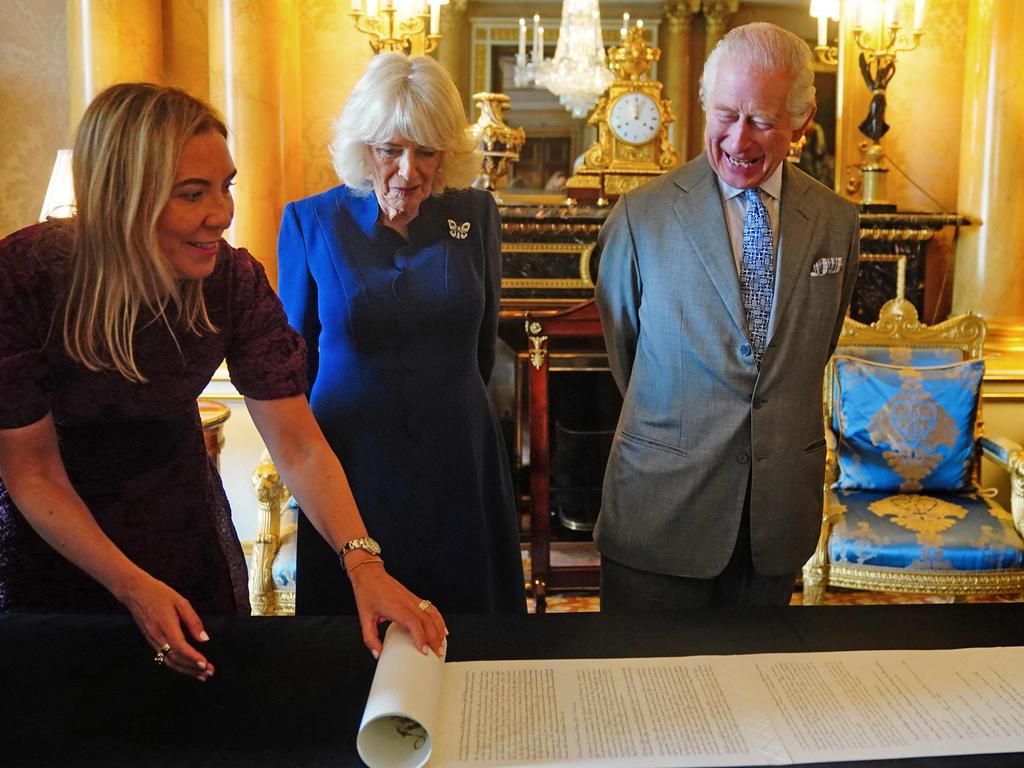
(577, 74)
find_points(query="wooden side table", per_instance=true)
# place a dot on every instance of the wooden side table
(213, 415)
(580, 323)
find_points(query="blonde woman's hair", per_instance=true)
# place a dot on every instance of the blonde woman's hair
(413, 97)
(125, 155)
(765, 47)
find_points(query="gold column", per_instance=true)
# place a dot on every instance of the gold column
(716, 14)
(453, 50)
(989, 277)
(675, 66)
(187, 46)
(252, 45)
(111, 41)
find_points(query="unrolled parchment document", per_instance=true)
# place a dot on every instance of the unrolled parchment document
(760, 709)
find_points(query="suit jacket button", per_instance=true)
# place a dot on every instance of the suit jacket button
(758, 402)
(745, 350)
(743, 458)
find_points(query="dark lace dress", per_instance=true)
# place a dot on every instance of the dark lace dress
(133, 452)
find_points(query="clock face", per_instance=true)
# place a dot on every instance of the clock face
(635, 118)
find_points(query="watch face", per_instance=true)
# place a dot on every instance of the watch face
(634, 118)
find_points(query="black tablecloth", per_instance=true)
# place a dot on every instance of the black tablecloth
(83, 690)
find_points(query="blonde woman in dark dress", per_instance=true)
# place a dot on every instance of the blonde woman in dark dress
(111, 325)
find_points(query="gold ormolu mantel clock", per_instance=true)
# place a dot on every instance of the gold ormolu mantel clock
(632, 128)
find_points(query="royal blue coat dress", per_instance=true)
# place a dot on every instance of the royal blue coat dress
(401, 338)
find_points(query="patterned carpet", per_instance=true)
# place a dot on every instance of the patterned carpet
(580, 553)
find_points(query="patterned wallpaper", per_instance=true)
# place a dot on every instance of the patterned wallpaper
(33, 105)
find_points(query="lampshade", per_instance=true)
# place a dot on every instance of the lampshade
(59, 202)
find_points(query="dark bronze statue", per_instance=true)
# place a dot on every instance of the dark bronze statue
(874, 125)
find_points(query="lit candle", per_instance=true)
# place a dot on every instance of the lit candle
(538, 40)
(435, 17)
(371, 8)
(540, 45)
(522, 38)
(357, 5)
(625, 23)
(918, 15)
(889, 13)
(823, 31)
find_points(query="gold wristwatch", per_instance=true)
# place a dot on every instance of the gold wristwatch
(364, 543)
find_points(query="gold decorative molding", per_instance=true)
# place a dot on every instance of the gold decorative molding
(582, 250)
(538, 349)
(679, 14)
(550, 228)
(716, 14)
(897, 234)
(936, 583)
(898, 324)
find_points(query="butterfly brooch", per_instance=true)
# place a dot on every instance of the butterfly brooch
(458, 231)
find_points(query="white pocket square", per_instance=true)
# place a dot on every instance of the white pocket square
(829, 265)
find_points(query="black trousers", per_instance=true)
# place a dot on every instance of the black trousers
(629, 590)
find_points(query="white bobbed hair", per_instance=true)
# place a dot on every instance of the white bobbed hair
(413, 97)
(765, 47)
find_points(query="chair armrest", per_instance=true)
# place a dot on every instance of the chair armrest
(271, 496)
(1010, 456)
(831, 458)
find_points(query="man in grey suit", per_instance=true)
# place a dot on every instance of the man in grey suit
(722, 289)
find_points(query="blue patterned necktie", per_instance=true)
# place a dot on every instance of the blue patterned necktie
(757, 275)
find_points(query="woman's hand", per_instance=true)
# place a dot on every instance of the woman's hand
(161, 613)
(380, 598)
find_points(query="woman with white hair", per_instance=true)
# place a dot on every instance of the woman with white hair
(393, 279)
(111, 325)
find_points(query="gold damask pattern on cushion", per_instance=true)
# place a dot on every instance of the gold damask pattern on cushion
(904, 428)
(922, 532)
(914, 426)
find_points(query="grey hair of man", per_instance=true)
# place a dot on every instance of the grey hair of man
(765, 47)
(413, 97)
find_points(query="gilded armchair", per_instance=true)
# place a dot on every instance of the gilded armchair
(903, 510)
(272, 566)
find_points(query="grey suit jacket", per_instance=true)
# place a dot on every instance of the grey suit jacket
(698, 416)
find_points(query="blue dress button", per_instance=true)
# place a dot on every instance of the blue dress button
(745, 350)
(743, 458)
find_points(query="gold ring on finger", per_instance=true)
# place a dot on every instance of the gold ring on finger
(424, 604)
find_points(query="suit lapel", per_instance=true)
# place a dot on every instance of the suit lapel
(699, 209)
(797, 226)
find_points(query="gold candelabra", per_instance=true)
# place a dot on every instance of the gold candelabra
(878, 34)
(391, 30)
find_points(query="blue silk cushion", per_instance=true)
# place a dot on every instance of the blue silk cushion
(922, 532)
(915, 356)
(903, 428)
